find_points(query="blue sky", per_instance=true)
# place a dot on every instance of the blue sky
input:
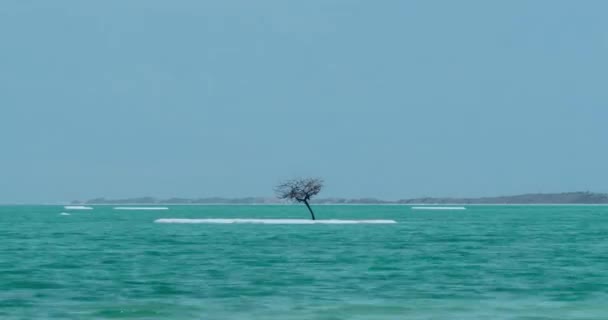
(390, 99)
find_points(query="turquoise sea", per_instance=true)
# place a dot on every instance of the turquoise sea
(487, 262)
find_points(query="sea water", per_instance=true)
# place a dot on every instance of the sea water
(487, 262)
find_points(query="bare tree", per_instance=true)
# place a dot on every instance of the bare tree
(300, 190)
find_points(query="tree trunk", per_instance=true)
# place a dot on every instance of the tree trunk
(309, 209)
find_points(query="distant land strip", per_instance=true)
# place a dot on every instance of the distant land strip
(532, 198)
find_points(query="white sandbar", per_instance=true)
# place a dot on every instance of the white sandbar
(439, 208)
(77, 208)
(141, 208)
(274, 221)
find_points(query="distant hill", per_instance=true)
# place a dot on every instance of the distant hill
(533, 198)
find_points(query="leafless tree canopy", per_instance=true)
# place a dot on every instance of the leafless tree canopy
(300, 190)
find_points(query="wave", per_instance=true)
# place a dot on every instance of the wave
(439, 208)
(273, 221)
(77, 208)
(141, 208)
(64, 214)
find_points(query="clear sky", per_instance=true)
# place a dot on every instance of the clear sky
(390, 99)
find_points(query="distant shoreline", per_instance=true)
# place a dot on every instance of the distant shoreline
(354, 204)
(320, 204)
(565, 198)
(540, 199)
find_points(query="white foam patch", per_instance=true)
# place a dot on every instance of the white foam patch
(77, 208)
(273, 221)
(439, 208)
(64, 214)
(141, 208)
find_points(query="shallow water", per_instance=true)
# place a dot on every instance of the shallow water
(486, 262)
